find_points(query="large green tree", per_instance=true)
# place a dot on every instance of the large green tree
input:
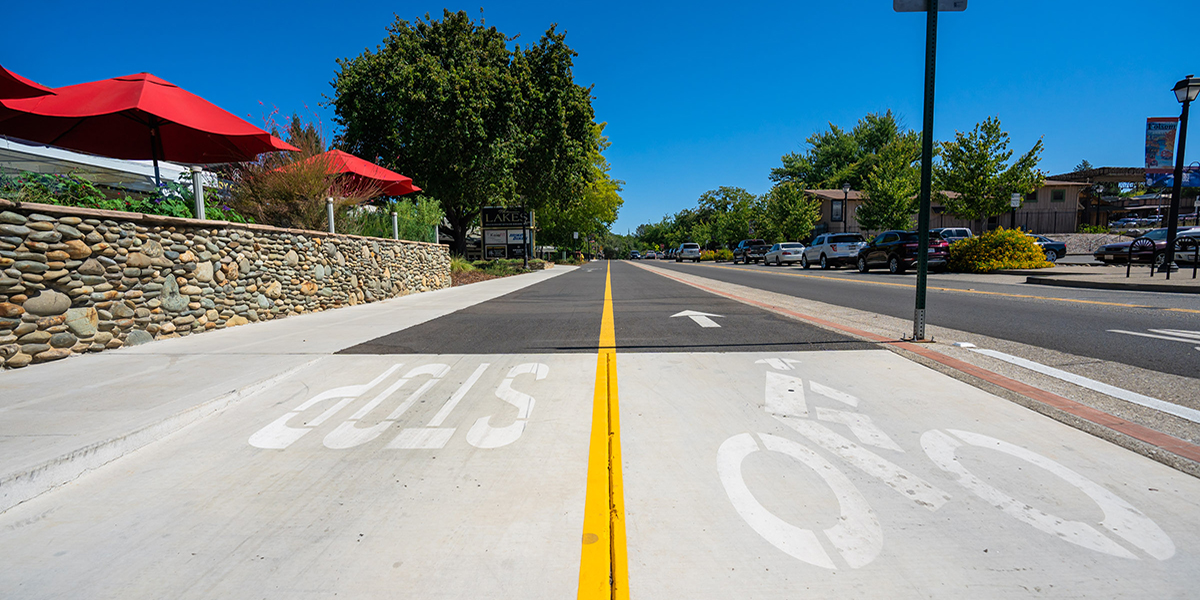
(472, 121)
(892, 187)
(788, 213)
(837, 156)
(975, 166)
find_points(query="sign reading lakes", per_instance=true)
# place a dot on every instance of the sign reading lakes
(504, 231)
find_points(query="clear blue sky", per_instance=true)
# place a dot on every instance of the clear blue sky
(696, 94)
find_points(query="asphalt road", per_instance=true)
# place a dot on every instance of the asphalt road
(1069, 320)
(563, 315)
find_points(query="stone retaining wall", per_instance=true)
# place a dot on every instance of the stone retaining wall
(1086, 243)
(76, 280)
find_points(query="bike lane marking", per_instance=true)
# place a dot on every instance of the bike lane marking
(1049, 400)
(729, 498)
(604, 564)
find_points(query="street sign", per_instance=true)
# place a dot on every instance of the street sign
(923, 5)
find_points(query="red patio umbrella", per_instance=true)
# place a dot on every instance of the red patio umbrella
(137, 117)
(365, 173)
(15, 86)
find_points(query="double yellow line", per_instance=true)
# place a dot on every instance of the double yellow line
(604, 563)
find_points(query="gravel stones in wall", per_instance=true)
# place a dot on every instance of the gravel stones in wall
(71, 284)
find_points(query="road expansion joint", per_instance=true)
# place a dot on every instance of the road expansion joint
(1163, 437)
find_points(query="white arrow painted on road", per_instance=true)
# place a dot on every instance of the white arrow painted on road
(701, 319)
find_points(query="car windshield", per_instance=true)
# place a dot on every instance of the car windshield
(691, 246)
(1157, 234)
(845, 239)
(756, 243)
(791, 245)
(911, 236)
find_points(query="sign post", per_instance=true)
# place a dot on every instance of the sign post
(1015, 203)
(930, 8)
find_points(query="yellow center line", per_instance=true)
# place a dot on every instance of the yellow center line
(958, 290)
(603, 562)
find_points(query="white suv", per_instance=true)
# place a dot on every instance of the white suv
(688, 251)
(832, 250)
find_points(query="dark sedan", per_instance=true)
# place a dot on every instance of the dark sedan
(1119, 252)
(1054, 249)
(897, 250)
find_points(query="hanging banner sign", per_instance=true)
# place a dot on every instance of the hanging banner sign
(1160, 144)
(1191, 178)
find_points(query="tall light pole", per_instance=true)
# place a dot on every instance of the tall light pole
(1185, 90)
(845, 204)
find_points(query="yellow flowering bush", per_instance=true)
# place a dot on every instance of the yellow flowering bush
(997, 249)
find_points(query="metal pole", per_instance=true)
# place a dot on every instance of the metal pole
(395, 226)
(524, 238)
(329, 212)
(926, 171)
(1176, 190)
(198, 192)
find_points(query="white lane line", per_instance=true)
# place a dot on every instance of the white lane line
(1151, 335)
(1174, 409)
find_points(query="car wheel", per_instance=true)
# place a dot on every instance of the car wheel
(895, 267)
(779, 261)
(1051, 256)
(824, 262)
(862, 265)
(804, 261)
(1159, 259)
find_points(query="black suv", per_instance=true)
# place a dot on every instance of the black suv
(897, 250)
(749, 251)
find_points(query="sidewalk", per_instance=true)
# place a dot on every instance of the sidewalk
(61, 419)
(1111, 277)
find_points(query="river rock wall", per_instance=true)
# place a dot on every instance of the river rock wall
(76, 280)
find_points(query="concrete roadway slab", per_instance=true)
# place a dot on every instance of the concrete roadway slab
(860, 474)
(262, 501)
(765, 474)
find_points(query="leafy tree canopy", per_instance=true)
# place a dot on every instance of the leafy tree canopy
(837, 156)
(975, 166)
(892, 186)
(472, 121)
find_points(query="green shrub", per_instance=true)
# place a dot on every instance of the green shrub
(997, 249)
(1092, 229)
(459, 264)
(174, 200)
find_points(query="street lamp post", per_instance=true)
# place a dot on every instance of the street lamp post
(1185, 90)
(845, 204)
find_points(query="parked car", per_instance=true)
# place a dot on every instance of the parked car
(687, 251)
(635, 255)
(784, 252)
(651, 255)
(832, 250)
(1053, 249)
(749, 251)
(897, 250)
(1185, 249)
(1119, 252)
(953, 234)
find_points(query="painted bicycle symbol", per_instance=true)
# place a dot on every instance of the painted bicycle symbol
(858, 536)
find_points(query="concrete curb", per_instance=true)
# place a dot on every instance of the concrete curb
(18, 487)
(1115, 285)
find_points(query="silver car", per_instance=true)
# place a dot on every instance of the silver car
(832, 250)
(688, 251)
(784, 252)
